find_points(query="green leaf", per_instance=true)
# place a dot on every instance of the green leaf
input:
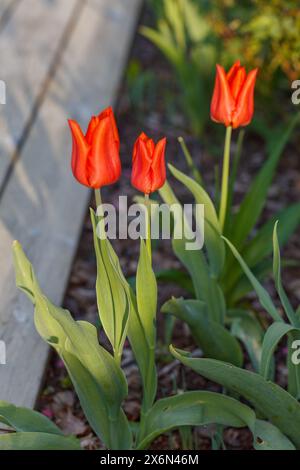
(203, 408)
(112, 292)
(271, 339)
(270, 400)
(24, 419)
(37, 441)
(142, 326)
(270, 438)
(215, 341)
(206, 288)
(162, 40)
(278, 283)
(146, 294)
(176, 276)
(144, 355)
(254, 201)
(213, 242)
(174, 16)
(293, 368)
(260, 247)
(194, 409)
(97, 378)
(263, 295)
(249, 331)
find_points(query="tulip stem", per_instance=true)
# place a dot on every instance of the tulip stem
(98, 198)
(225, 177)
(148, 225)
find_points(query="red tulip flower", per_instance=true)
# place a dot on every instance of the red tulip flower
(233, 98)
(95, 155)
(148, 164)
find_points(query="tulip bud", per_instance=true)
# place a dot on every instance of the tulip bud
(95, 155)
(233, 98)
(148, 164)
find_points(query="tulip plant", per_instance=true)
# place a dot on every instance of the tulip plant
(219, 284)
(127, 313)
(279, 406)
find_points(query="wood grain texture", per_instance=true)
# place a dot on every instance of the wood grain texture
(28, 45)
(7, 4)
(42, 206)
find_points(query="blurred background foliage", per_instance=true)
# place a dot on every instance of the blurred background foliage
(194, 35)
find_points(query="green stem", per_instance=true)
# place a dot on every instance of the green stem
(190, 162)
(225, 176)
(98, 198)
(237, 155)
(148, 226)
(233, 175)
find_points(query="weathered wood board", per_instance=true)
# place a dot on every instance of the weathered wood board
(42, 206)
(28, 46)
(5, 5)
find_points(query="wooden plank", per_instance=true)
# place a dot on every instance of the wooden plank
(43, 206)
(28, 45)
(5, 5)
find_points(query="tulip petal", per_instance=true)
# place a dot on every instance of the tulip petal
(232, 71)
(108, 112)
(158, 166)
(245, 103)
(222, 104)
(79, 153)
(141, 165)
(237, 81)
(103, 165)
(91, 128)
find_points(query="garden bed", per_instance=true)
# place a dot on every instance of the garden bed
(157, 117)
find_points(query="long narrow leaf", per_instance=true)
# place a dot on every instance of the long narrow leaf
(269, 399)
(254, 201)
(215, 341)
(25, 419)
(213, 241)
(263, 295)
(37, 441)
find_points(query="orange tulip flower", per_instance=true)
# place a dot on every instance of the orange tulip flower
(95, 155)
(233, 98)
(148, 164)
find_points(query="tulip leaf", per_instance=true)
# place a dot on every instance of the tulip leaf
(271, 339)
(293, 367)
(270, 400)
(142, 325)
(248, 330)
(146, 294)
(270, 438)
(213, 242)
(278, 283)
(97, 378)
(163, 42)
(263, 295)
(26, 420)
(215, 341)
(37, 441)
(143, 353)
(273, 336)
(206, 288)
(254, 201)
(202, 408)
(259, 247)
(112, 291)
(176, 276)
